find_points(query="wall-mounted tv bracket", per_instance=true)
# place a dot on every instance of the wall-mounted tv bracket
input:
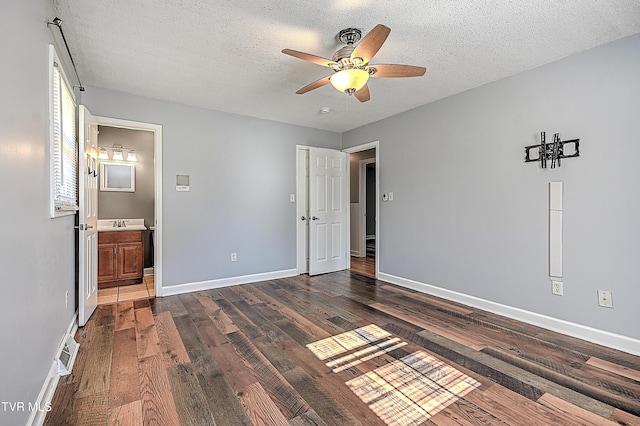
(552, 152)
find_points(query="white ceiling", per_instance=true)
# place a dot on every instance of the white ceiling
(226, 54)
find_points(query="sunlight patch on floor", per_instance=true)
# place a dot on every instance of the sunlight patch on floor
(344, 342)
(407, 391)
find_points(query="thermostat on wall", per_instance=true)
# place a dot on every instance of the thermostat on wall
(182, 183)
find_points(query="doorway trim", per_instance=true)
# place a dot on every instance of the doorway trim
(358, 148)
(157, 153)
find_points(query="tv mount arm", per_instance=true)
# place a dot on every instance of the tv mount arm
(551, 152)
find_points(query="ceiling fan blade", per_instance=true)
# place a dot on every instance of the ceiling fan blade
(318, 83)
(391, 71)
(309, 58)
(363, 94)
(371, 43)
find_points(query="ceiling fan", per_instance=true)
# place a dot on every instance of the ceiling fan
(351, 63)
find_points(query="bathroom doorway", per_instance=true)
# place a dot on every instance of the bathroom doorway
(129, 218)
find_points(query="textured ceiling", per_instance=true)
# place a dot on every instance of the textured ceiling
(226, 54)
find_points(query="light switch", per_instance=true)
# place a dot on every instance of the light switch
(292, 198)
(391, 196)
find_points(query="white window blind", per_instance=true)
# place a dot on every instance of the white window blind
(64, 150)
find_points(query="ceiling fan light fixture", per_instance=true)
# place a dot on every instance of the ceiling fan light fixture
(350, 80)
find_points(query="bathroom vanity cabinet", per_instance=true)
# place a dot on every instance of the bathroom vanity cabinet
(120, 258)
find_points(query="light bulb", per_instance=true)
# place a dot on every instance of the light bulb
(350, 80)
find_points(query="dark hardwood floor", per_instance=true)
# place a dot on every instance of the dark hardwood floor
(364, 265)
(250, 354)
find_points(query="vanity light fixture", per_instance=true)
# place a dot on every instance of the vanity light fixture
(117, 153)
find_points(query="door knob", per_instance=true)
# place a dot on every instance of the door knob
(303, 218)
(315, 218)
(83, 227)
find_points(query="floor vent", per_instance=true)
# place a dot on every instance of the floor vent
(67, 356)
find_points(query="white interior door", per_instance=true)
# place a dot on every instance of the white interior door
(88, 215)
(302, 209)
(328, 227)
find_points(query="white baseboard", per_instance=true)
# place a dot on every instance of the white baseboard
(225, 282)
(43, 403)
(355, 253)
(148, 271)
(601, 337)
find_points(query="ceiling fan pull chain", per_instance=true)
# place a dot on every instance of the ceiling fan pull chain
(348, 98)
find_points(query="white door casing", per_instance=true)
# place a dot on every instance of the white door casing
(87, 215)
(328, 224)
(157, 166)
(364, 147)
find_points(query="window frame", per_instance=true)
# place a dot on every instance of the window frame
(57, 143)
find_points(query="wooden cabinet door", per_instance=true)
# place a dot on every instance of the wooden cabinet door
(107, 262)
(129, 260)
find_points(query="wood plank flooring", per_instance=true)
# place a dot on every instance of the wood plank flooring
(126, 293)
(364, 265)
(239, 356)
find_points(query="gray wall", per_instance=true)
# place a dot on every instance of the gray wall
(37, 253)
(241, 170)
(132, 205)
(470, 216)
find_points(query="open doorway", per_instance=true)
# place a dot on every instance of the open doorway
(130, 269)
(363, 220)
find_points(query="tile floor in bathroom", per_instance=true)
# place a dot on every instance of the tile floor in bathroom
(126, 293)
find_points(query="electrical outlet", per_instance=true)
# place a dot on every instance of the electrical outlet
(234, 257)
(556, 288)
(604, 299)
(66, 299)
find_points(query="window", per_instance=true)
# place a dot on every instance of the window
(64, 149)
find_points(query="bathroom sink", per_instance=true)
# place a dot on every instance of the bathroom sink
(111, 225)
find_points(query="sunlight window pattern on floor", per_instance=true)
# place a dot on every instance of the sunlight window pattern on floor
(407, 391)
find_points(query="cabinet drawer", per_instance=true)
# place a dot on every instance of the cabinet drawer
(119, 236)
